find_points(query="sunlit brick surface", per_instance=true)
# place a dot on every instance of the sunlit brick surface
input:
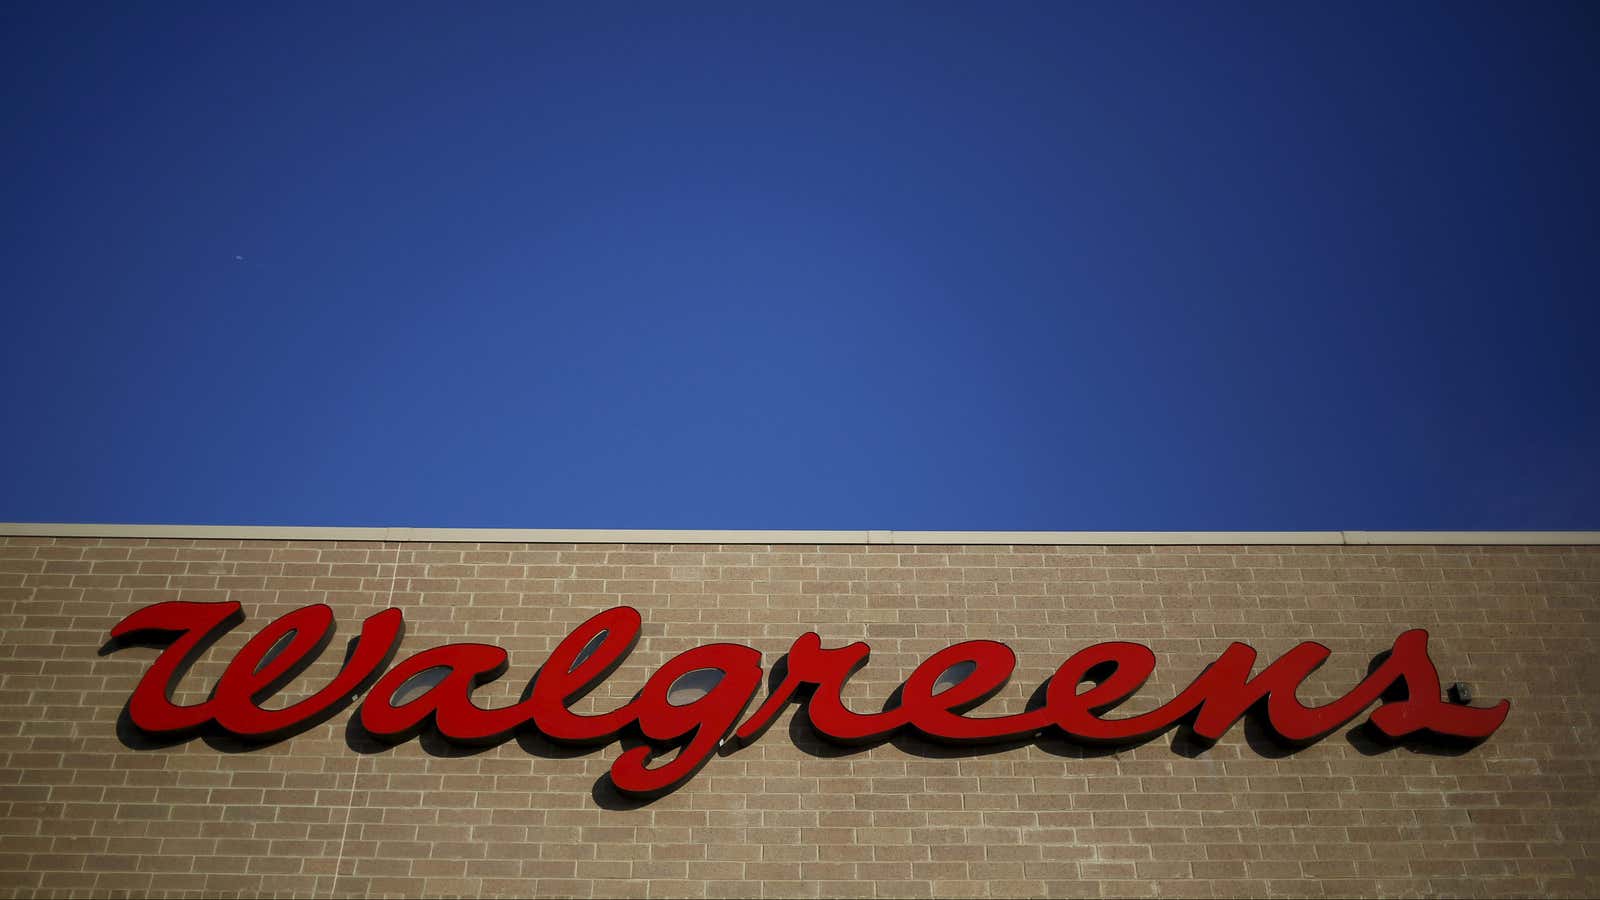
(327, 813)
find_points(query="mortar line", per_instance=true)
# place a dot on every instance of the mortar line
(355, 778)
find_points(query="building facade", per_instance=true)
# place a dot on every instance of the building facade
(91, 804)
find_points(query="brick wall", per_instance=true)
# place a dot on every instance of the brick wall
(85, 812)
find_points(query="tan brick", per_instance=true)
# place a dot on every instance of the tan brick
(84, 814)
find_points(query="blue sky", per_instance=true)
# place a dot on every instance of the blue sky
(927, 266)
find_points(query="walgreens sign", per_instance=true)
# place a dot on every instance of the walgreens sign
(933, 701)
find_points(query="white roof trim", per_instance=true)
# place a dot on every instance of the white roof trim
(646, 536)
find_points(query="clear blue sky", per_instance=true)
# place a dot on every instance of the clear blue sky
(927, 266)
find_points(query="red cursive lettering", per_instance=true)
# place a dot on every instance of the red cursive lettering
(934, 701)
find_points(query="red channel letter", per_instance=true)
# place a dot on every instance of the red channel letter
(250, 676)
(1216, 699)
(1225, 691)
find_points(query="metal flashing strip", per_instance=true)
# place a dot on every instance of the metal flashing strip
(646, 536)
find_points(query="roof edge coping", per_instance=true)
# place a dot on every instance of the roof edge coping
(650, 536)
